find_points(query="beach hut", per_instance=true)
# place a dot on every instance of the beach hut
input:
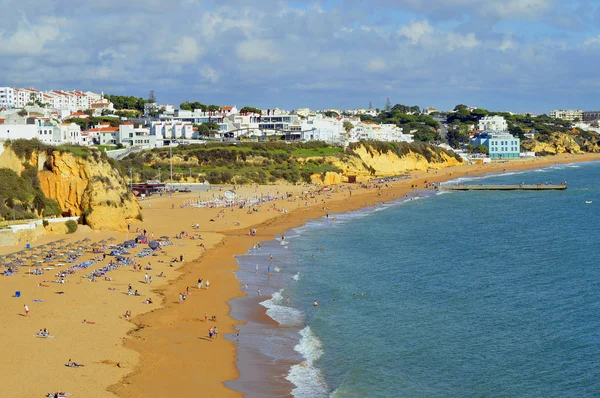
(154, 245)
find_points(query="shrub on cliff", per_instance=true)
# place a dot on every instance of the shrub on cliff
(25, 148)
(71, 226)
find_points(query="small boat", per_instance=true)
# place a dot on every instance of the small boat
(588, 202)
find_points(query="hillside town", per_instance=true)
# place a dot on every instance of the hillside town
(61, 117)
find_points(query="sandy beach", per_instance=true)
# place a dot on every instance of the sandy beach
(164, 349)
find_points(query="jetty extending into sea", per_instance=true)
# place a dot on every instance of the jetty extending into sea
(519, 187)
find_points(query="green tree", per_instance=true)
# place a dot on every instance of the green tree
(331, 114)
(348, 126)
(249, 109)
(152, 97)
(388, 104)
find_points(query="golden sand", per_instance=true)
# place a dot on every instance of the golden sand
(164, 350)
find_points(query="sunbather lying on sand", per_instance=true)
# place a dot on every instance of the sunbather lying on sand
(73, 364)
(88, 322)
(58, 394)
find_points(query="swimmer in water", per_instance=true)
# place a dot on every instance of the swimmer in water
(315, 304)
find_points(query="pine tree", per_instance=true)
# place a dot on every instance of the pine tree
(152, 97)
(388, 104)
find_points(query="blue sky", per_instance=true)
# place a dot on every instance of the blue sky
(518, 55)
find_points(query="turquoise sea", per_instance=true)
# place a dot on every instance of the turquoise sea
(466, 294)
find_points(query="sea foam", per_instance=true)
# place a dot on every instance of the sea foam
(307, 378)
(283, 315)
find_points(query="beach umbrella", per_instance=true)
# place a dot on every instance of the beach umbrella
(165, 237)
(111, 239)
(86, 240)
(153, 245)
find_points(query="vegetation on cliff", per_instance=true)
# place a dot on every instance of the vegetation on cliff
(21, 196)
(262, 163)
(41, 180)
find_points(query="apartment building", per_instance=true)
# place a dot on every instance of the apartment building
(7, 97)
(569, 115)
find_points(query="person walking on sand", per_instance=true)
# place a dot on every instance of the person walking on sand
(146, 278)
(216, 333)
(180, 298)
(26, 310)
(207, 284)
(210, 333)
(205, 317)
(199, 283)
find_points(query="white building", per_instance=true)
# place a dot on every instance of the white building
(71, 133)
(17, 131)
(7, 97)
(493, 123)
(378, 132)
(24, 96)
(567, 114)
(229, 110)
(171, 131)
(47, 131)
(129, 135)
(104, 134)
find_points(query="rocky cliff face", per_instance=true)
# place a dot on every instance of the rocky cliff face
(556, 143)
(83, 186)
(365, 162)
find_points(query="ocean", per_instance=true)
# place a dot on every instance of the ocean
(438, 295)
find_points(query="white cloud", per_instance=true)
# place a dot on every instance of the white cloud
(417, 31)
(210, 74)
(185, 51)
(456, 40)
(592, 41)
(507, 44)
(376, 65)
(421, 33)
(257, 50)
(519, 9)
(31, 39)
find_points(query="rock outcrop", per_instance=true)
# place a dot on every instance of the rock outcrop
(553, 144)
(87, 186)
(364, 162)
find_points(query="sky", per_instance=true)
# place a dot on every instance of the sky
(502, 55)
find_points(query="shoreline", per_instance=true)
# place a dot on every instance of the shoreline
(164, 350)
(238, 243)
